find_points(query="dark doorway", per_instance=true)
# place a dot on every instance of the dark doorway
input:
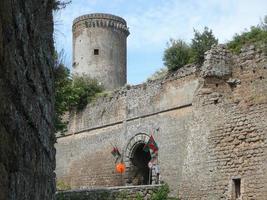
(237, 188)
(140, 161)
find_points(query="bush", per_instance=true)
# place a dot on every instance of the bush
(84, 90)
(62, 186)
(176, 55)
(71, 92)
(256, 35)
(201, 43)
(162, 193)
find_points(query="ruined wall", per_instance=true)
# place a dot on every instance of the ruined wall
(113, 193)
(26, 100)
(210, 126)
(228, 133)
(161, 108)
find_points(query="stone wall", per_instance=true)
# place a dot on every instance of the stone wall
(228, 133)
(209, 123)
(112, 193)
(27, 154)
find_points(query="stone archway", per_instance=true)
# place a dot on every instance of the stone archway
(136, 160)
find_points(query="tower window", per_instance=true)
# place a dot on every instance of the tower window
(96, 51)
(236, 188)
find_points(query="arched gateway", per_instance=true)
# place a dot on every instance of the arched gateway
(136, 160)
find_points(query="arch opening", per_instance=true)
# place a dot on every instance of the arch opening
(140, 170)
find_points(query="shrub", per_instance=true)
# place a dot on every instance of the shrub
(201, 43)
(71, 92)
(84, 90)
(162, 193)
(256, 35)
(62, 186)
(139, 197)
(176, 55)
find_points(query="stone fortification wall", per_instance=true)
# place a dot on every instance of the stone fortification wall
(162, 107)
(210, 126)
(228, 137)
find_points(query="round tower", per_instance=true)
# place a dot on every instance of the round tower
(99, 48)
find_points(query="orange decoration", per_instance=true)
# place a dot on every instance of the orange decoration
(120, 168)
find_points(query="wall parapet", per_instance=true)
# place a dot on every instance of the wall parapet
(110, 193)
(100, 20)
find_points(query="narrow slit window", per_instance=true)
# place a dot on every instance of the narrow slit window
(237, 188)
(96, 51)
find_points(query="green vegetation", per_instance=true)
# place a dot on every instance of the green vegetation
(139, 197)
(162, 194)
(62, 186)
(176, 55)
(179, 53)
(201, 43)
(71, 92)
(256, 35)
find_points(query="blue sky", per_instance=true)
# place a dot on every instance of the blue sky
(153, 22)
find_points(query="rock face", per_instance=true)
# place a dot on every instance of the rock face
(27, 154)
(209, 124)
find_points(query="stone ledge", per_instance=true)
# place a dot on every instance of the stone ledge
(108, 193)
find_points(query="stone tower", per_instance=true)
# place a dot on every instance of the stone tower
(99, 48)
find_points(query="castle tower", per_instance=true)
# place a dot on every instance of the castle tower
(99, 48)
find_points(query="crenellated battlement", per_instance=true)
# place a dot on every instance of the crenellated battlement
(100, 20)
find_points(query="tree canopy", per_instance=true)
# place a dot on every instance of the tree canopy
(176, 55)
(179, 53)
(201, 43)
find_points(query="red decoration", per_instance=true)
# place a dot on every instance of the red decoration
(120, 168)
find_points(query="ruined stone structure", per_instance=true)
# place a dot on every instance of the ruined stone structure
(209, 123)
(99, 48)
(111, 193)
(27, 153)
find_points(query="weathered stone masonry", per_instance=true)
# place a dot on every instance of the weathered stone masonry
(209, 123)
(99, 48)
(27, 153)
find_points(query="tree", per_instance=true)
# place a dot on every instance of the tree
(201, 43)
(71, 92)
(62, 83)
(176, 55)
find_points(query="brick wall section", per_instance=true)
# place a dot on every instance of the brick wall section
(27, 154)
(230, 121)
(210, 126)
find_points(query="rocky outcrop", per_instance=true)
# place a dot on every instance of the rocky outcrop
(27, 154)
